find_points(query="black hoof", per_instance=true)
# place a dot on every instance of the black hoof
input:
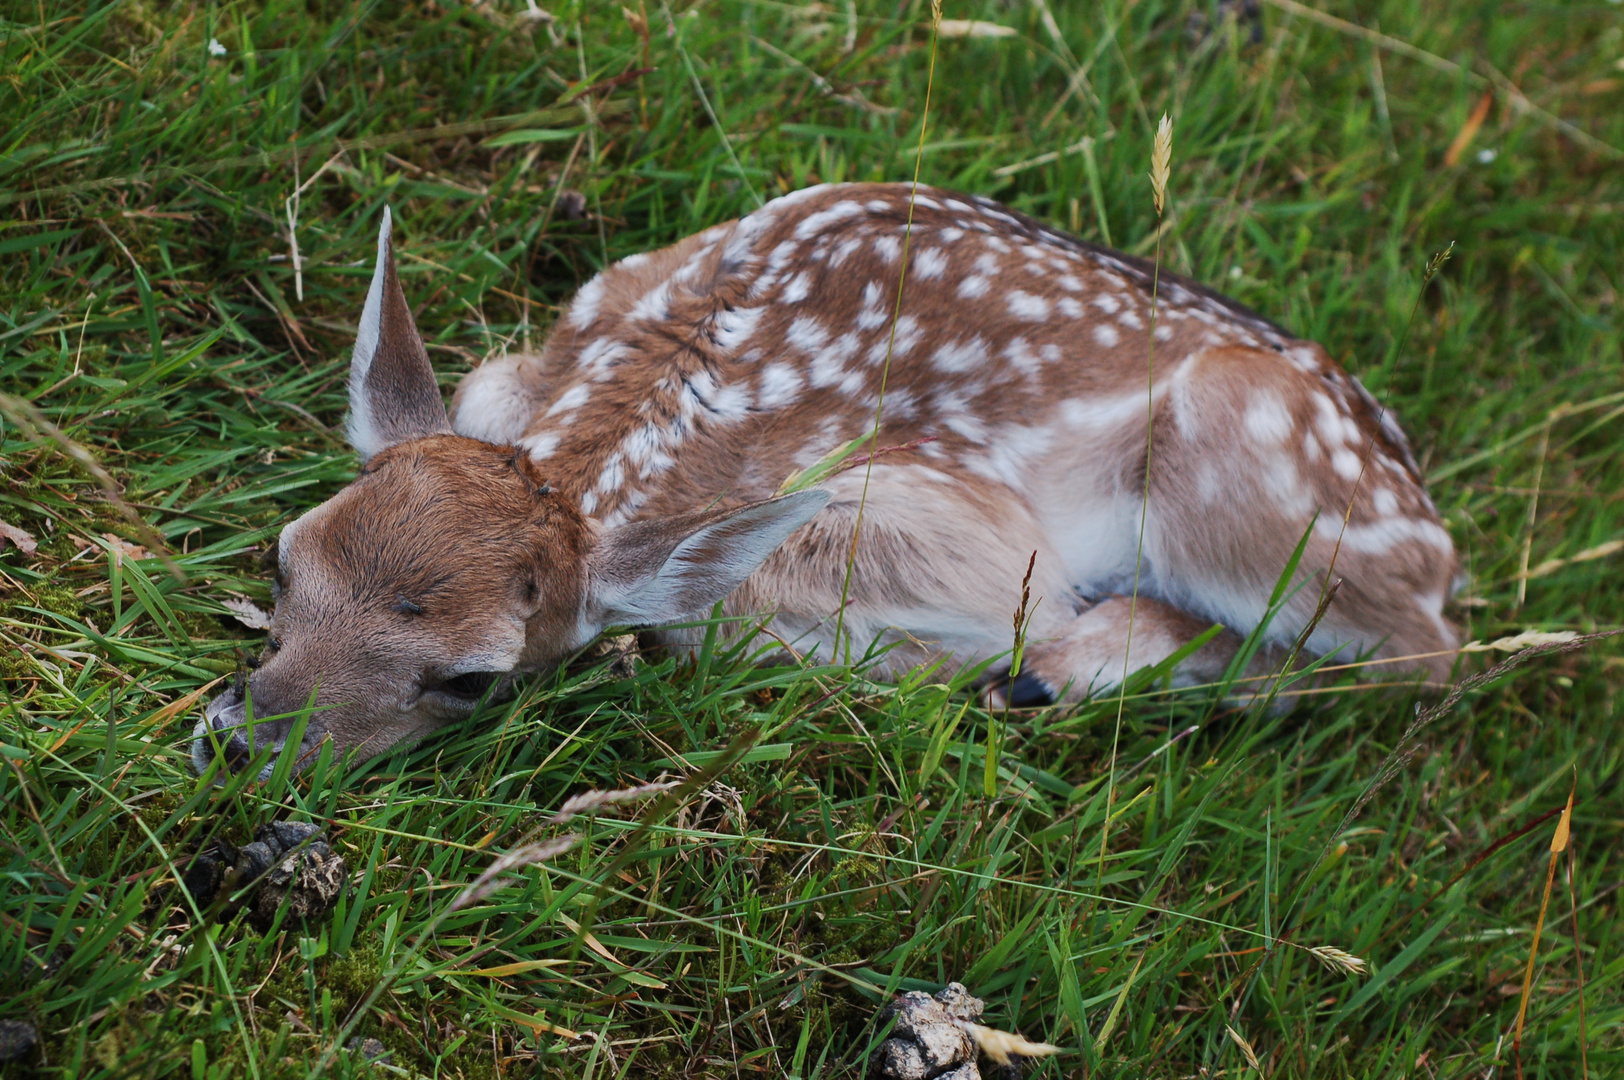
(1027, 691)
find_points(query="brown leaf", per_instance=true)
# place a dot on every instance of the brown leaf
(248, 613)
(25, 543)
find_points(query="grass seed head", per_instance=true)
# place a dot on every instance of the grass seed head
(1161, 163)
(1339, 961)
(588, 801)
(1246, 1048)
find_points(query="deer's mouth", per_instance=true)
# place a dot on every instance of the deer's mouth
(225, 733)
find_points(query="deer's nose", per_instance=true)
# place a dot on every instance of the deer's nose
(222, 723)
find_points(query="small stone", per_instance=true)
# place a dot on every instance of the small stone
(286, 835)
(370, 1049)
(571, 205)
(17, 1038)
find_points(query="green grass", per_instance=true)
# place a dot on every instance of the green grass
(149, 308)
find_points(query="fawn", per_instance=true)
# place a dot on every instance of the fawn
(626, 475)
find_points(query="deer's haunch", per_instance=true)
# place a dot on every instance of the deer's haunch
(626, 474)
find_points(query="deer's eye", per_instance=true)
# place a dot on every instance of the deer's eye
(469, 686)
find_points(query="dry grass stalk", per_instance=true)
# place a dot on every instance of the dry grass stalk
(528, 855)
(1578, 961)
(588, 801)
(1003, 1046)
(1600, 551)
(1525, 640)
(973, 28)
(1559, 844)
(1339, 961)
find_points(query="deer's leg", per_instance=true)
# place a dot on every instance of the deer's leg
(1092, 654)
(1254, 450)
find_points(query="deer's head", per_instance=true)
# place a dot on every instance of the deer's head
(449, 567)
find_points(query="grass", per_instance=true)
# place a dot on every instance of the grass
(151, 310)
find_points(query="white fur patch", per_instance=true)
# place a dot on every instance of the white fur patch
(929, 264)
(957, 356)
(737, 326)
(584, 311)
(780, 385)
(1026, 307)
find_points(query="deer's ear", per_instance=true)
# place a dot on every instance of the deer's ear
(651, 572)
(393, 395)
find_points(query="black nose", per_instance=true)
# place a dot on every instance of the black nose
(222, 724)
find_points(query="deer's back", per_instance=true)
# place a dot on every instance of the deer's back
(714, 368)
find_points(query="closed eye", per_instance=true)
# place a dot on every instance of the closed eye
(469, 686)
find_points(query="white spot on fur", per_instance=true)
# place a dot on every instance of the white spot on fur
(815, 222)
(734, 327)
(1070, 283)
(797, 288)
(1108, 303)
(929, 264)
(1027, 307)
(654, 305)
(806, 334)
(907, 336)
(1345, 462)
(1020, 356)
(973, 287)
(828, 365)
(1385, 501)
(1380, 537)
(1106, 335)
(888, 248)
(959, 356)
(872, 315)
(1130, 319)
(780, 385)
(845, 250)
(541, 445)
(1070, 308)
(584, 311)
(571, 399)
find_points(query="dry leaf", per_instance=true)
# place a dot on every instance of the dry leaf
(1468, 131)
(973, 28)
(25, 543)
(1003, 1045)
(121, 548)
(248, 613)
(1559, 841)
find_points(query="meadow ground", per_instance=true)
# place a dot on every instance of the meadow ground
(158, 165)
